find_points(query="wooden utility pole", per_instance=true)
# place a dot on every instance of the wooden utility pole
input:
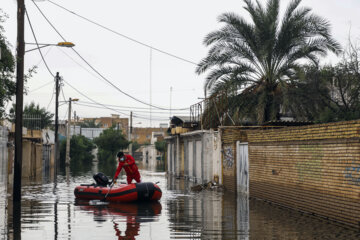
(57, 87)
(67, 156)
(20, 52)
(130, 134)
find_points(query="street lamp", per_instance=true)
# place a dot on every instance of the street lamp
(42, 45)
(67, 158)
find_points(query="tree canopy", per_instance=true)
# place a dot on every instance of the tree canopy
(34, 116)
(7, 68)
(80, 153)
(109, 143)
(254, 64)
(90, 124)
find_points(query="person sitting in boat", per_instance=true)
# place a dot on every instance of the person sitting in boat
(127, 162)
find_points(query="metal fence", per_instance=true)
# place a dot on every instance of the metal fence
(34, 122)
(91, 133)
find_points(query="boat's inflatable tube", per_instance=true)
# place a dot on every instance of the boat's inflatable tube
(146, 191)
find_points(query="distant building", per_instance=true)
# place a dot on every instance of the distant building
(145, 135)
(150, 156)
(113, 121)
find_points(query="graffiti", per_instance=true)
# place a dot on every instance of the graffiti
(352, 174)
(311, 166)
(228, 157)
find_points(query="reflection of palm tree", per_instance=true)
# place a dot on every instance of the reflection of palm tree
(254, 64)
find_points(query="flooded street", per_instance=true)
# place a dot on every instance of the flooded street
(50, 211)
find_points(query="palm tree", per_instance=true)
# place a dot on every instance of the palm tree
(260, 59)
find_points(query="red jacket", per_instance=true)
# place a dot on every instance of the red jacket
(131, 169)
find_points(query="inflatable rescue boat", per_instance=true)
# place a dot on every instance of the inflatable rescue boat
(102, 190)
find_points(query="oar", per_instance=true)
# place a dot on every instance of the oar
(102, 201)
(112, 184)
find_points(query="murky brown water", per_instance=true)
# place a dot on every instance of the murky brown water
(49, 211)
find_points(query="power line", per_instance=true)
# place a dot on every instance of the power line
(103, 105)
(124, 36)
(33, 33)
(186, 109)
(52, 96)
(62, 91)
(41, 86)
(118, 106)
(115, 107)
(158, 118)
(102, 76)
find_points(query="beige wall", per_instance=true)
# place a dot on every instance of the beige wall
(311, 168)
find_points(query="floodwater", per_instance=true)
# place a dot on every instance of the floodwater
(49, 211)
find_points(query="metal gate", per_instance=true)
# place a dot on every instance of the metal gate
(242, 170)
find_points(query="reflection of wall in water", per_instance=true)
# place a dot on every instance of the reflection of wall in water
(3, 181)
(207, 214)
(3, 155)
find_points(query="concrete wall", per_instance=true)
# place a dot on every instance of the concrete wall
(149, 156)
(195, 156)
(312, 168)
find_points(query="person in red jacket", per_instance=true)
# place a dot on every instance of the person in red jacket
(128, 163)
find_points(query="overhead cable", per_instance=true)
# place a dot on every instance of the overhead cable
(118, 106)
(33, 33)
(157, 118)
(48, 83)
(102, 76)
(124, 36)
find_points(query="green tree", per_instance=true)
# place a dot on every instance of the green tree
(80, 154)
(331, 93)
(160, 146)
(109, 143)
(7, 68)
(135, 146)
(34, 116)
(256, 63)
(90, 124)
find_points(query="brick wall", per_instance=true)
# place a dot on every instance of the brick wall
(314, 169)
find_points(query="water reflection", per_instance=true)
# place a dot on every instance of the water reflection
(133, 214)
(50, 211)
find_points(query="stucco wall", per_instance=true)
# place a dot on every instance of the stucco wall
(196, 156)
(311, 168)
(149, 157)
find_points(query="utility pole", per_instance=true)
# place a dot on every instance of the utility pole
(170, 100)
(57, 87)
(67, 158)
(20, 52)
(74, 122)
(130, 133)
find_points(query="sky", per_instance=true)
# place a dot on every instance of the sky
(130, 59)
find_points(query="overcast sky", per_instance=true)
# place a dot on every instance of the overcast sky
(175, 27)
